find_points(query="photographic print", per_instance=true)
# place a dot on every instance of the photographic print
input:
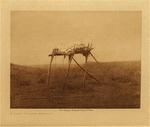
(75, 59)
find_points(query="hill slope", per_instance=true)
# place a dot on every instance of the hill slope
(118, 87)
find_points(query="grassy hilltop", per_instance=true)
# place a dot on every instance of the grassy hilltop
(118, 87)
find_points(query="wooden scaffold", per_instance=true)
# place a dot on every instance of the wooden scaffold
(70, 52)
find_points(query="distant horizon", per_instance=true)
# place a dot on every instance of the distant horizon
(75, 63)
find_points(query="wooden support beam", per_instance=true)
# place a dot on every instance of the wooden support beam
(94, 57)
(85, 70)
(49, 70)
(84, 78)
(68, 70)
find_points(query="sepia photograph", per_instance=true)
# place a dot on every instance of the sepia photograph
(75, 59)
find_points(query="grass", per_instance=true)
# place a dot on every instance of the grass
(119, 86)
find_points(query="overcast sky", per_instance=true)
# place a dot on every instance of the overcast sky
(116, 35)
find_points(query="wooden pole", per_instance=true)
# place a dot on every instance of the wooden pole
(49, 70)
(68, 70)
(84, 78)
(85, 70)
(94, 57)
